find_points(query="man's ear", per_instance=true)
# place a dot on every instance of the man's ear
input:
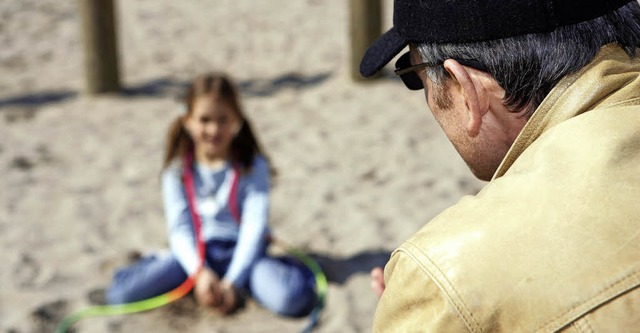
(473, 93)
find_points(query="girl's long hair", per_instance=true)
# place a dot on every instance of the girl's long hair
(243, 148)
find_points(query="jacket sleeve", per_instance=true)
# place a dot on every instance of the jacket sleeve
(179, 222)
(412, 302)
(254, 208)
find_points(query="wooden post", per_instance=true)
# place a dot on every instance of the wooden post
(99, 40)
(365, 27)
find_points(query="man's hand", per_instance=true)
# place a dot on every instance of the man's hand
(377, 281)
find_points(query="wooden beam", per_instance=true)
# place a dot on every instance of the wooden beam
(365, 27)
(99, 41)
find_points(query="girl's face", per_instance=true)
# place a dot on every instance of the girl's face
(212, 125)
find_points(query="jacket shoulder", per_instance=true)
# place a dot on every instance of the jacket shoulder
(522, 253)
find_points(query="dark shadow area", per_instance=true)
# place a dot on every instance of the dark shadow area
(172, 87)
(156, 88)
(36, 99)
(252, 87)
(267, 87)
(338, 270)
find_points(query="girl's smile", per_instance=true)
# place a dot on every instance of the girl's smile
(212, 125)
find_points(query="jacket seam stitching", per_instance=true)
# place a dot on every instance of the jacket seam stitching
(624, 284)
(626, 102)
(439, 278)
(587, 325)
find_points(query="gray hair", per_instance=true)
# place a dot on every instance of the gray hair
(527, 67)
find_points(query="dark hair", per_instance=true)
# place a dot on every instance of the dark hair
(244, 146)
(527, 67)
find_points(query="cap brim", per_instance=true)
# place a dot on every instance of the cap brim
(381, 52)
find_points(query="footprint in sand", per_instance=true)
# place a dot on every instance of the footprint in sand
(47, 316)
(26, 271)
(22, 163)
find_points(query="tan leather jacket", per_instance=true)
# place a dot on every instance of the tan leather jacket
(552, 243)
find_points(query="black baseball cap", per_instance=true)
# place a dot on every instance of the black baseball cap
(462, 21)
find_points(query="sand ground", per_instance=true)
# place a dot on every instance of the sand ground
(362, 166)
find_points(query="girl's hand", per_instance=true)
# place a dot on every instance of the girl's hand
(214, 293)
(230, 298)
(207, 289)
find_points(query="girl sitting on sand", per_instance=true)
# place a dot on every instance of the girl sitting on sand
(227, 160)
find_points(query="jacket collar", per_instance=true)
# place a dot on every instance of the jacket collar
(612, 78)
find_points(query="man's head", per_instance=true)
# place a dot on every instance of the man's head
(486, 65)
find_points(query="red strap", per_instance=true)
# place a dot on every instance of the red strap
(187, 178)
(234, 208)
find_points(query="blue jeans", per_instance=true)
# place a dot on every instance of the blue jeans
(282, 285)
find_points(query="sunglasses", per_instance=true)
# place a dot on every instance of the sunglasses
(409, 75)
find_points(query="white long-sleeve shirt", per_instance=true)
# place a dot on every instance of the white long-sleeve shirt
(212, 189)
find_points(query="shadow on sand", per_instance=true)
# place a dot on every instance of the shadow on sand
(252, 87)
(37, 99)
(339, 270)
(171, 87)
(267, 87)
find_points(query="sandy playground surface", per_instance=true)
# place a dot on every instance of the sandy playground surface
(362, 165)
